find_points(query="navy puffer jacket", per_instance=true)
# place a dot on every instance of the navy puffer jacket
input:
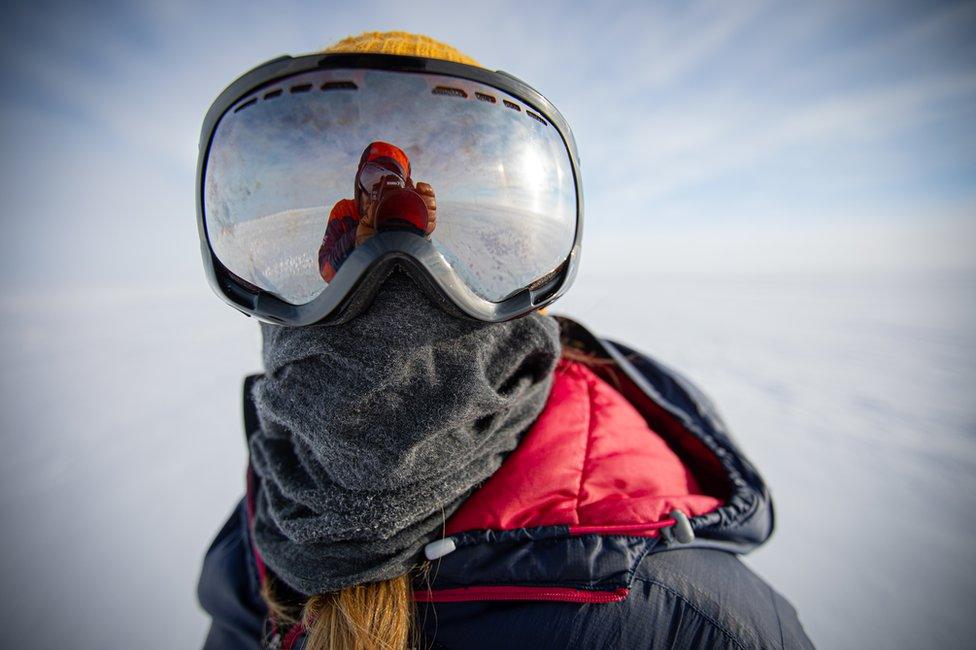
(616, 523)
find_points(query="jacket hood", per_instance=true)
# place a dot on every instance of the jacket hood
(589, 463)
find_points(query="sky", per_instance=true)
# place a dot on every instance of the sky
(722, 136)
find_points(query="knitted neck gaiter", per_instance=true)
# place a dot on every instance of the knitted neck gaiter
(373, 432)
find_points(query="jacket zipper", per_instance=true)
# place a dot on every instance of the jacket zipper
(502, 592)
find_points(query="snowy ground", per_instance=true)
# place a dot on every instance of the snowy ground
(122, 452)
(279, 252)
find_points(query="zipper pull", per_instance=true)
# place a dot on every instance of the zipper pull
(439, 548)
(681, 532)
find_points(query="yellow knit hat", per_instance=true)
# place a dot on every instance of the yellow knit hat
(403, 43)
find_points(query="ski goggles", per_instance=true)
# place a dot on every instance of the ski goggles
(320, 175)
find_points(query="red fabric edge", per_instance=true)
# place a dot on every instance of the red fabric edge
(294, 633)
(505, 592)
(635, 530)
(258, 561)
(250, 525)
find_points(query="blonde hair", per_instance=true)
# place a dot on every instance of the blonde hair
(373, 616)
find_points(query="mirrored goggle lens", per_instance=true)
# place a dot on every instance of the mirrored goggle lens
(299, 174)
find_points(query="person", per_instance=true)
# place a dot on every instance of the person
(430, 469)
(352, 221)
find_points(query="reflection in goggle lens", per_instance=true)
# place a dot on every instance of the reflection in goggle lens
(484, 178)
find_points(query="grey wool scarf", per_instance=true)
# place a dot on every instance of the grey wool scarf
(374, 431)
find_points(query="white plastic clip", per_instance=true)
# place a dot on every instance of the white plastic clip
(439, 548)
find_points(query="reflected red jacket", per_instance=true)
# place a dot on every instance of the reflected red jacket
(339, 239)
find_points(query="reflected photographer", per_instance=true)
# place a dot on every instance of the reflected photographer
(386, 199)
